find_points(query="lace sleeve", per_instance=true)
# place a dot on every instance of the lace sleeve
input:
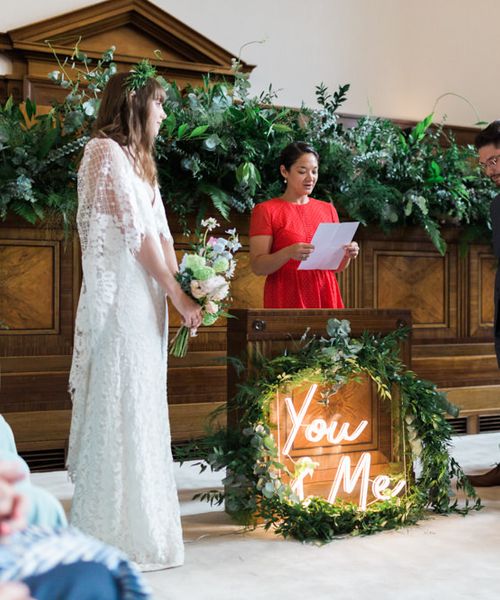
(107, 207)
(161, 218)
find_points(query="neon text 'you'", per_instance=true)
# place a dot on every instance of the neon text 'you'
(318, 430)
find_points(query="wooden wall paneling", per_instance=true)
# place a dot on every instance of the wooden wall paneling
(474, 400)
(49, 429)
(43, 389)
(36, 302)
(35, 367)
(463, 292)
(188, 421)
(29, 278)
(192, 385)
(457, 365)
(247, 289)
(49, 426)
(482, 269)
(351, 282)
(36, 269)
(415, 276)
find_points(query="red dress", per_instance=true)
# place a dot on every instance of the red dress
(288, 224)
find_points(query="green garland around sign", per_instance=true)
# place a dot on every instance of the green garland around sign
(254, 491)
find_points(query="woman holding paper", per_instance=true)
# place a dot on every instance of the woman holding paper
(281, 230)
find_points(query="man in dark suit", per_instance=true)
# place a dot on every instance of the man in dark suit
(488, 146)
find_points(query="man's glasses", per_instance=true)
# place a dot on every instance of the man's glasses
(490, 163)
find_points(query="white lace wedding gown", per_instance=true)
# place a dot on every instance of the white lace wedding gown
(119, 451)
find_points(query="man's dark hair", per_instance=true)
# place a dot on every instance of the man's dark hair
(490, 135)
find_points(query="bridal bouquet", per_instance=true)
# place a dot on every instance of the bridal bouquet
(204, 275)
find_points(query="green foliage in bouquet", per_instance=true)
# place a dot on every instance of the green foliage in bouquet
(219, 148)
(254, 491)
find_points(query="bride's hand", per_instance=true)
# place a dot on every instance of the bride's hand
(191, 313)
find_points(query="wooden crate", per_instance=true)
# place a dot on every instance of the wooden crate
(353, 429)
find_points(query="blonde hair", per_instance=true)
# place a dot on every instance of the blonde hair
(124, 117)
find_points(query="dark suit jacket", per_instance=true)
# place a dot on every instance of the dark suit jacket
(495, 222)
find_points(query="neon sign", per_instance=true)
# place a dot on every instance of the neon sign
(321, 432)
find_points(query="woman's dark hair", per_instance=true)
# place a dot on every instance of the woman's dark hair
(490, 135)
(293, 152)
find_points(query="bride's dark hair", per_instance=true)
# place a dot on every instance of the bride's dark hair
(124, 117)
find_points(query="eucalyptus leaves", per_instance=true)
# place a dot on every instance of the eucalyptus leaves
(253, 487)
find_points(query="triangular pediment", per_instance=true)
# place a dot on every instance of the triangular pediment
(136, 27)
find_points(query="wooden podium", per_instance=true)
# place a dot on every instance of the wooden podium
(354, 430)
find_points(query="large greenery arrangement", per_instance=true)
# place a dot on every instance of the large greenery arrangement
(254, 490)
(219, 147)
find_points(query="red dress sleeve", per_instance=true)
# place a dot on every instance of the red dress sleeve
(260, 221)
(335, 216)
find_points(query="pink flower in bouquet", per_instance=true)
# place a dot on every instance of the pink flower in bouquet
(211, 307)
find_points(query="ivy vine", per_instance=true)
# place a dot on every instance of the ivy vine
(253, 488)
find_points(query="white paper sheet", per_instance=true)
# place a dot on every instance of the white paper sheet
(329, 241)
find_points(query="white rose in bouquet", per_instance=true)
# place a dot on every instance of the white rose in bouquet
(215, 288)
(220, 292)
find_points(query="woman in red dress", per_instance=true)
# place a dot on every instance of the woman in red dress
(281, 230)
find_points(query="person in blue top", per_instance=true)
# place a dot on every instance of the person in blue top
(42, 508)
(43, 559)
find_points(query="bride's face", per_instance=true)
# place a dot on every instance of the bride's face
(156, 115)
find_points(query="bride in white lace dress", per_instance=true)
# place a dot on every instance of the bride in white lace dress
(119, 451)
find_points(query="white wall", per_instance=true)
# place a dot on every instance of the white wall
(398, 55)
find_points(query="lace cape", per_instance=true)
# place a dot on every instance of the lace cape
(119, 452)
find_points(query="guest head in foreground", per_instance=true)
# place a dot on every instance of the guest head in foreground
(45, 563)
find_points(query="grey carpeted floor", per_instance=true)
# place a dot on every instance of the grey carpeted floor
(443, 558)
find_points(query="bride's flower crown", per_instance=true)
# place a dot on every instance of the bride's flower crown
(140, 74)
